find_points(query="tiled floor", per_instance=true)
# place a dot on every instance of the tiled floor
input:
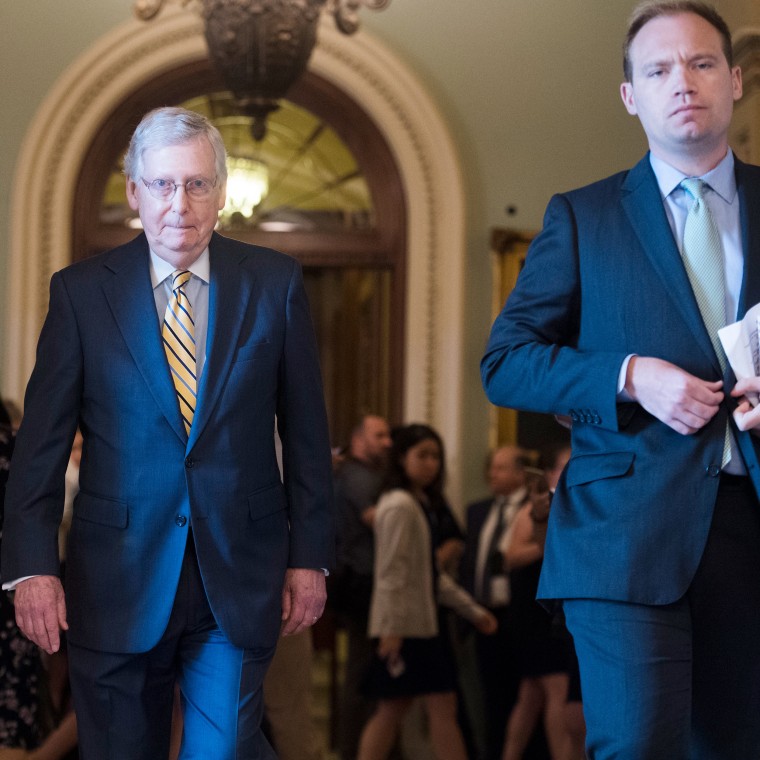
(321, 689)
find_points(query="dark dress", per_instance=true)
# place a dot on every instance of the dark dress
(19, 657)
(538, 649)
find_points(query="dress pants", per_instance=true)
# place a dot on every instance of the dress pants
(680, 681)
(123, 702)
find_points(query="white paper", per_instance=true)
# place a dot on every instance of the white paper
(741, 342)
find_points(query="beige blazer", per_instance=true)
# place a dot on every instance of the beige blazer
(403, 603)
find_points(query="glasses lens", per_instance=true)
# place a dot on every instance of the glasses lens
(162, 189)
(198, 188)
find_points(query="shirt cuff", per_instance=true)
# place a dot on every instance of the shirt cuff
(12, 584)
(622, 393)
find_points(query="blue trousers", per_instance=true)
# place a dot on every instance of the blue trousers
(124, 702)
(680, 681)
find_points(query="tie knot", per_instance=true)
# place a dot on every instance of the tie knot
(180, 278)
(694, 187)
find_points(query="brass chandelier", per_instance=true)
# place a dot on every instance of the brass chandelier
(262, 47)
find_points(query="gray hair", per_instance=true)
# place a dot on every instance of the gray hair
(173, 126)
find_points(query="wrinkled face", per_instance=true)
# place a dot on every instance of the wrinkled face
(682, 88)
(376, 439)
(422, 463)
(178, 230)
(505, 473)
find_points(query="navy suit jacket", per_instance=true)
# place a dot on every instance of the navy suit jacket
(101, 365)
(604, 279)
(477, 513)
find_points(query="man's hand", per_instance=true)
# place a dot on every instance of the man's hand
(41, 611)
(303, 599)
(746, 416)
(680, 400)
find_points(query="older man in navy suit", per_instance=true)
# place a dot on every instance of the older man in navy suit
(176, 355)
(654, 535)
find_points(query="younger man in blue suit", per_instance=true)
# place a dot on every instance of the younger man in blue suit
(174, 354)
(654, 536)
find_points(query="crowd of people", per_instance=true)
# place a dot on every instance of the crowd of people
(405, 566)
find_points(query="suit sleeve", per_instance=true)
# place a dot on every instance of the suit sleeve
(36, 486)
(540, 355)
(302, 426)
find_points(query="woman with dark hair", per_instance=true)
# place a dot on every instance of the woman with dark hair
(413, 658)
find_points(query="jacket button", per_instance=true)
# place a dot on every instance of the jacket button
(181, 520)
(189, 463)
(713, 470)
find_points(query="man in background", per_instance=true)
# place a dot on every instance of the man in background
(358, 481)
(484, 576)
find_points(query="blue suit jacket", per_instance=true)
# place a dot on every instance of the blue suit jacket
(604, 279)
(101, 365)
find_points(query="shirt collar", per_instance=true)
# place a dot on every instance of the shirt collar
(722, 179)
(161, 269)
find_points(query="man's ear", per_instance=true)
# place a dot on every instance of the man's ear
(132, 198)
(629, 101)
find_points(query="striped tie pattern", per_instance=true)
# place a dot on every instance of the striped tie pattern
(703, 258)
(178, 333)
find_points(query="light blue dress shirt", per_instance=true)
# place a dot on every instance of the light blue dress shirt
(197, 292)
(723, 202)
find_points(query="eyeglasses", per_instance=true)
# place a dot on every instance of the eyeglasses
(165, 189)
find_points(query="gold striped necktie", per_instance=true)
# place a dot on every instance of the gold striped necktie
(178, 333)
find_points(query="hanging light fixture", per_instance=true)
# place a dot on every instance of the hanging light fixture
(262, 47)
(247, 186)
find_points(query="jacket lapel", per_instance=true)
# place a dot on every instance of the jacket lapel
(748, 187)
(643, 205)
(130, 296)
(229, 296)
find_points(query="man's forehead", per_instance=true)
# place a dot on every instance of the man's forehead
(375, 426)
(665, 34)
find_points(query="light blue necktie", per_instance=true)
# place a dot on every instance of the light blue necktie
(703, 258)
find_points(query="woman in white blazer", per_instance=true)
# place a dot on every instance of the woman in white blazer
(413, 658)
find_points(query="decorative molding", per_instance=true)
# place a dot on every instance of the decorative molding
(747, 56)
(745, 127)
(377, 80)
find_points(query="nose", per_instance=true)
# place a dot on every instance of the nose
(684, 81)
(179, 201)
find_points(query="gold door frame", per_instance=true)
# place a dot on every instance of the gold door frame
(508, 250)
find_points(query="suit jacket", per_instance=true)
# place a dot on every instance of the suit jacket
(477, 514)
(101, 365)
(604, 279)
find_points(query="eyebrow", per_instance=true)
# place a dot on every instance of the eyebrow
(696, 57)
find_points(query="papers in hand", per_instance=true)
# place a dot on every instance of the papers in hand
(741, 342)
